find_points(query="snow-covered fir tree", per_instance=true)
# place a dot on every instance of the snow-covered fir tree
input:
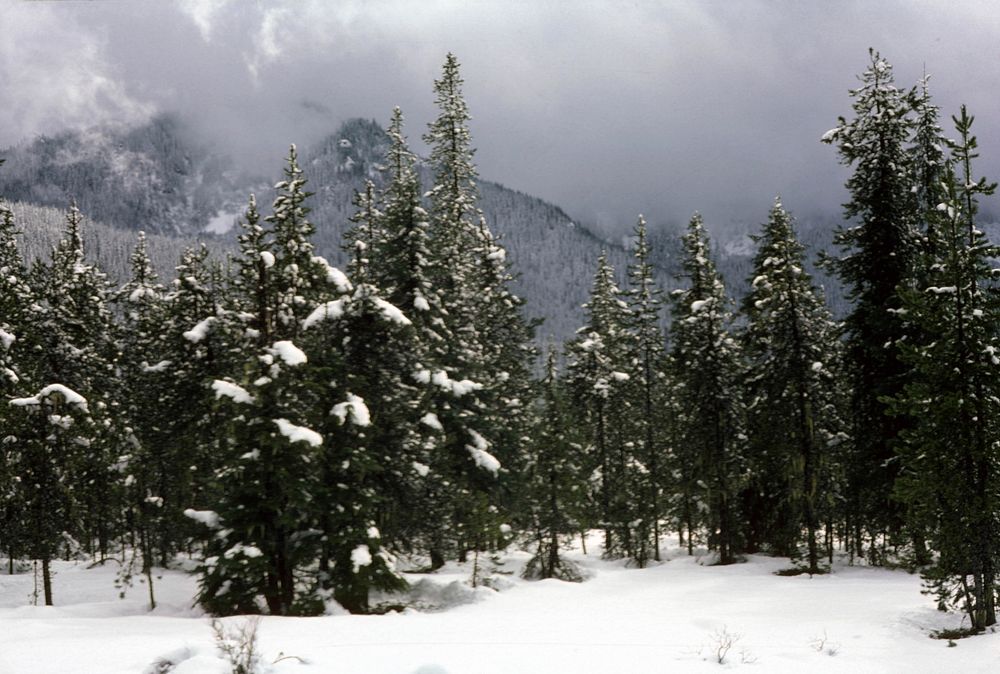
(597, 379)
(555, 480)
(153, 500)
(927, 146)
(48, 441)
(485, 338)
(17, 308)
(950, 453)
(16, 300)
(709, 454)
(403, 261)
(365, 237)
(372, 463)
(649, 389)
(266, 481)
(794, 423)
(300, 276)
(76, 347)
(878, 258)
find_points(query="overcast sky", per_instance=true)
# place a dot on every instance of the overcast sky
(605, 108)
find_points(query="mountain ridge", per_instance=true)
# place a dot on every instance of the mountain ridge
(154, 177)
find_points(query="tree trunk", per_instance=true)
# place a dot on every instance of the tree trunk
(46, 580)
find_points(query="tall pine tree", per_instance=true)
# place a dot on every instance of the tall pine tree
(793, 417)
(950, 455)
(706, 361)
(879, 251)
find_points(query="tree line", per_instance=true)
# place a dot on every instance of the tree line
(298, 428)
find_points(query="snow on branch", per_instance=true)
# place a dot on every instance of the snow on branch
(298, 433)
(200, 331)
(330, 310)
(231, 390)
(70, 396)
(6, 339)
(355, 409)
(441, 380)
(209, 518)
(288, 352)
(483, 458)
(334, 275)
(391, 312)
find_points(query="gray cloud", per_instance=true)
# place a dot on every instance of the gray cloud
(606, 108)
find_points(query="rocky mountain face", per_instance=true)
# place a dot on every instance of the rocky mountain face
(153, 178)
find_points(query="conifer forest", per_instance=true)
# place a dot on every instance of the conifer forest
(303, 435)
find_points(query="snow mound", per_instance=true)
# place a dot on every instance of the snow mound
(427, 595)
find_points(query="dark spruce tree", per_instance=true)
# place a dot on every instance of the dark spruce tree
(709, 457)
(794, 426)
(48, 442)
(153, 502)
(371, 463)
(597, 381)
(950, 455)
(402, 268)
(554, 480)
(648, 388)
(485, 339)
(16, 315)
(927, 160)
(74, 337)
(260, 560)
(879, 248)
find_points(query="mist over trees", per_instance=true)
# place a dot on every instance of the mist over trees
(304, 431)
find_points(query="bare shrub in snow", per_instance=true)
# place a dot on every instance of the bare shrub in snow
(722, 641)
(239, 644)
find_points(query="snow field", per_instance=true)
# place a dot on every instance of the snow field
(670, 617)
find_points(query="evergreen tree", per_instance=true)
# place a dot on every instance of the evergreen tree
(259, 559)
(706, 361)
(299, 275)
(597, 378)
(928, 160)
(950, 456)
(47, 444)
(16, 315)
(16, 300)
(485, 339)
(927, 157)
(373, 461)
(404, 261)
(793, 359)
(648, 384)
(878, 259)
(155, 503)
(554, 480)
(361, 240)
(201, 346)
(76, 348)
(265, 481)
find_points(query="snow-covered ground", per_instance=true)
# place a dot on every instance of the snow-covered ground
(666, 618)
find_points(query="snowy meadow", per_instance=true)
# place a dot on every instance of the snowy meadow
(675, 616)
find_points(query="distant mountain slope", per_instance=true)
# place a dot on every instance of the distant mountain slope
(153, 178)
(149, 177)
(110, 247)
